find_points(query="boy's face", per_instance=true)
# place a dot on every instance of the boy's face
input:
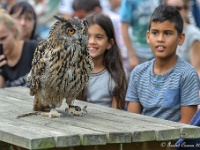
(163, 39)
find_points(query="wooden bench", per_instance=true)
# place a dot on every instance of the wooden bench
(101, 129)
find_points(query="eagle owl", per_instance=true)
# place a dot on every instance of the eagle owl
(61, 66)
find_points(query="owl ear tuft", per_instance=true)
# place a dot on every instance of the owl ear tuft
(85, 22)
(62, 19)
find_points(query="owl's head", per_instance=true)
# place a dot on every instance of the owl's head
(73, 30)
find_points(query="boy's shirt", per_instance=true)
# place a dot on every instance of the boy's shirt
(162, 96)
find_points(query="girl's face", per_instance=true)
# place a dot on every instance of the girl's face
(98, 41)
(7, 37)
(26, 23)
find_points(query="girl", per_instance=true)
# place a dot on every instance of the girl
(15, 62)
(107, 84)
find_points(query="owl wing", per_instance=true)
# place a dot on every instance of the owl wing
(38, 67)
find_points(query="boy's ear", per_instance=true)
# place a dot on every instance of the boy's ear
(181, 39)
(110, 44)
(147, 36)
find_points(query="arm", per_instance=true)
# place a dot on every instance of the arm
(187, 112)
(195, 56)
(114, 103)
(1, 82)
(133, 60)
(134, 107)
(2, 63)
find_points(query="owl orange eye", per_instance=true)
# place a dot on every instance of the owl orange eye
(84, 31)
(71, 31)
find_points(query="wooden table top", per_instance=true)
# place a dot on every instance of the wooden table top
(100, 126)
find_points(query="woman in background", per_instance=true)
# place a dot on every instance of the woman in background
(25, 16)
(15, 62)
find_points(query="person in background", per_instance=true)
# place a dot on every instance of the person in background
(166, 87)
(81, 8)
(16, 60)
(39, 6)
(26, 18)
(108, 83)
(7, 4)
(196, 11)
(114, 13)
(65, 8)
(115, 6)
(134, 16)
(190, 49)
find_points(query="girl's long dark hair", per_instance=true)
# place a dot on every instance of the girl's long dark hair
(112, 58)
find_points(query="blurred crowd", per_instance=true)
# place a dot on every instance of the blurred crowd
(126, 34)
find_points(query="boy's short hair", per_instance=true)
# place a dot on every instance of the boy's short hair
(170, 13)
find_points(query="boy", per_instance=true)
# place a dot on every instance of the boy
(166, 87)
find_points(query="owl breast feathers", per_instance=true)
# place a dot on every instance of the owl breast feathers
(61, 65)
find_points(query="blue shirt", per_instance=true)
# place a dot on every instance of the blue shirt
(162, 96)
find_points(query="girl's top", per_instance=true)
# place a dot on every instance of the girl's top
(100, 88)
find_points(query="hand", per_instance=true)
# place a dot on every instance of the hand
(133, 61)
(2, 60)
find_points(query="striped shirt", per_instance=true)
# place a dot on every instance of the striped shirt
(162, 96)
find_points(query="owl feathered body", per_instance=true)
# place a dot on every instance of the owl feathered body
(61, 65)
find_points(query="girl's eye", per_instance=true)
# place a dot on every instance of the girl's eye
(84, 31)
(99, 36)
(71, 31)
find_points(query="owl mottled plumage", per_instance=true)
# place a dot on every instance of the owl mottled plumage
(61, 65)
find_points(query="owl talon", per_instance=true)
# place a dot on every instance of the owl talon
(84, 109)
(76, 110)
